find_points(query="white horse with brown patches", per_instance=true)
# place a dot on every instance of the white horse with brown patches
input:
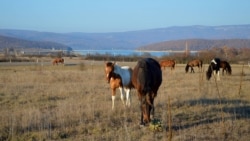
(119, 77)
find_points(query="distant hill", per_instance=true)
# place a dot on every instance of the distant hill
(10, 42)
(133, 39)
(197, 44)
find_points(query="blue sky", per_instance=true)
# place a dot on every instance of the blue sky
(119, 15)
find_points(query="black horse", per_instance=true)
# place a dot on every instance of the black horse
(147, 78)
(214, 66)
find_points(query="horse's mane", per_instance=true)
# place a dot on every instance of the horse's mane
(228, 67)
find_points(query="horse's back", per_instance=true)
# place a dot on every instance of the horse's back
(195, 62)
(167, 63)
(147, 75)
(126, 75)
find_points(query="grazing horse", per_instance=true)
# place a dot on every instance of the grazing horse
(214, 66)
(167, 63)
(119, 77)
(225, 67)
(56, 61)
(147, 78)
(194, 63)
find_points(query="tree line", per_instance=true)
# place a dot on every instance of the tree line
(232, 55)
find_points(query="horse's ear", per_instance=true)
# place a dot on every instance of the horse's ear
(105, 62)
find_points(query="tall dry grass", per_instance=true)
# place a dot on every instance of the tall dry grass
(73, 102)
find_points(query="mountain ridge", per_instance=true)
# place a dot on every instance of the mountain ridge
(197, 44)
(17, 43)
(133, 39)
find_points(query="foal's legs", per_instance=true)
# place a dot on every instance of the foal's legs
(113, 98)
(128, 99)
(122, 94)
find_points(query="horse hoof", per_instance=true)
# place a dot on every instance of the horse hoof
(142, 126)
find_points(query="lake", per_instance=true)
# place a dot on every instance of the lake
(123, 52)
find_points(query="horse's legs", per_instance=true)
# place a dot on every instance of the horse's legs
(128, 98)
(142, 122)
(152, 113)
(142, 100)
(227, 71)
(122, 94)
(172, 69)
(113, 98)
(215, 72)
(192, 70)
(218, 75)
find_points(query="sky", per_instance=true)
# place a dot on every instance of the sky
(98, 16)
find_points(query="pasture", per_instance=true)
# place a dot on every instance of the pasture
(73, 102)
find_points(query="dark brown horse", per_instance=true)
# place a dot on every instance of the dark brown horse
(194, 63)
(147, 78)
(225, 67)
(56, 61)
(167, 63)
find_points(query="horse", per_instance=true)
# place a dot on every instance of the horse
(193, 63)
(214, 66)
(119, 77)
(147, 78)
(56, 61)
(225, 67)
(167, 63)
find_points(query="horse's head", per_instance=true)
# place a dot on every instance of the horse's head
(208, 74)
(109, 69)
(61, 60)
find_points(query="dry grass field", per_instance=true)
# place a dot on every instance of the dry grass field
(73, 102)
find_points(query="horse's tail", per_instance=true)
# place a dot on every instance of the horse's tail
(201, 63)
(187, 67)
